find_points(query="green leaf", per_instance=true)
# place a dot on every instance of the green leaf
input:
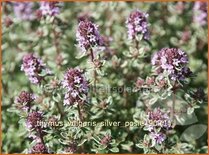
(194, 132)
(190, 110)
(82, 142)
(127, 146)
(115, 149)
(153, 100)
(56, 97)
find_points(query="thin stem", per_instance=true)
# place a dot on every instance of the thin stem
(95, 74)
(173, 106)
(41, 136)
(56, 42)
(156, 150)
(29, 107)
(92, 55)
(79, 113)
(136, 43)
(173, 101)
(62, 113)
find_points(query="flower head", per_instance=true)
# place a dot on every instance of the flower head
(23, 10)
(200, 13)
(72, 147)
(25, 97)
(39, 148)
(106, 139)
(157, 119)
(173, 61)
(76, 85)
(24, 100)
(137, 24)
(49, 8)
(33, 67)
(139, 83)
(8, 21)
(33, 119)
(88, 35)
(158, 137)
(157, 122)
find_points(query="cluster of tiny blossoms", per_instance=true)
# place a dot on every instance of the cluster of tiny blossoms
(25, 99)
(170, 60)
(137, 24)
(32, 125)
(88, 35)
(106, 139)
(33, 67)
(71, 148)
(200, 13)
(49, 8)
(156, 121)
(36, 132)
(173, 61)
(76, 85)
(33, 118)
(153, 83)
(39, 148)
(23, 10)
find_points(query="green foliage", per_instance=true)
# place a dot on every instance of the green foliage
(117, 69)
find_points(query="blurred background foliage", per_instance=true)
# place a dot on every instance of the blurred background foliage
(171, 25)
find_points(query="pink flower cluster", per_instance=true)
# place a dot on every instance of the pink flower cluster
(76, 85)
(200, 13)
(137, 24)
(25, 97)
(24, 100)
(39, 148)
(33, 118)
(33, 68)
(23, 10)
(49, 8)
(88, 35)
(172, 61)
(156, 122)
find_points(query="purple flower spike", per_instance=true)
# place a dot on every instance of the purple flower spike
(25, 97)
(88, 35)
(23, 10)
(157, 119)
(200, 13)
(24, 100)
(76, 86)
(33, 67)
(39, 148)
(137, 24)
(158, 138)
(33, 119)
(49, 8)
(72, 148)
(106, 140)
(173, 61)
